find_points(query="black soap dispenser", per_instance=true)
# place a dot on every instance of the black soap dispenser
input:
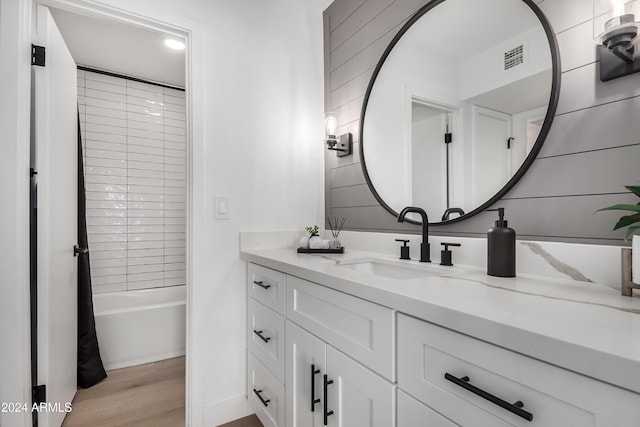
(501, 248)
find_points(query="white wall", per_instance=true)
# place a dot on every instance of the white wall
(257, 116)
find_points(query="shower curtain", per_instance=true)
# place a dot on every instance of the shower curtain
(90, 368)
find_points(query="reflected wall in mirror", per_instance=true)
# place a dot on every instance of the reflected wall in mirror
(459, 106)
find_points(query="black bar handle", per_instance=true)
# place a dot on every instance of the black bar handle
(327, 412)
(262, 337)
(515, 408)
(262, 285)
(264, 401)
(314, 371)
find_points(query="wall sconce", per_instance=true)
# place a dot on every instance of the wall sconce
(342, 145)
(615, 30)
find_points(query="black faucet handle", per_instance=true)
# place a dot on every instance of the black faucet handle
(446, 245)
(404, 249)
(445, 255)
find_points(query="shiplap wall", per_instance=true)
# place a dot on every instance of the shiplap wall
(133, 137)
(592, 150)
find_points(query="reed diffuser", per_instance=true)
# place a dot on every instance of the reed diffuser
(336, 227)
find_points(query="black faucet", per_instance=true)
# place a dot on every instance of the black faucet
(425, 248)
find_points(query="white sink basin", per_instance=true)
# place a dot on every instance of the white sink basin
(394, 270)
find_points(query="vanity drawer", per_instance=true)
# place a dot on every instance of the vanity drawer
(267, 286)
(266, 394)
(363, 330)
(266, 337)
(553, 396)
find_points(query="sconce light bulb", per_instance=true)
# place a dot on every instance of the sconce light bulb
(331, 124)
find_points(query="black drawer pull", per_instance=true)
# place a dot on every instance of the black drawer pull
(515, 408)
(265, 402)
(314, 371)
(263, 338)
(326, 404)
(262, 285)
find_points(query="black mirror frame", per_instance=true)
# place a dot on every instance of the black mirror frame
(548, 119)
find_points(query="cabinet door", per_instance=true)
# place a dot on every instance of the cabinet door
(355, 395)
(305, 370)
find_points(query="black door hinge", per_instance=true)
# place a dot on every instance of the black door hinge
(33, 172)
(448, 137)
(39, 394)
(37, 55)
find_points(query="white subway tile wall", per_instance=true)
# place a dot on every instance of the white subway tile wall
(134, 145)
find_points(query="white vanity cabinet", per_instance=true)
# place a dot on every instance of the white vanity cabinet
(321, 357)
(477, 384)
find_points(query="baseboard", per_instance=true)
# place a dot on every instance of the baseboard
(227, 410)
(109, 366)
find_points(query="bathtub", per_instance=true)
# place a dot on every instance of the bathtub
(142, 326)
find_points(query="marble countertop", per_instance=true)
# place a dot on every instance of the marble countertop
(584, 327)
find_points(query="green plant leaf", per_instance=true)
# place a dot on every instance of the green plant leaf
(634, 189)
(631, 208)
(630, 232)
(627, 220)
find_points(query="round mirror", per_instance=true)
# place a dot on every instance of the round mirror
(458, 106)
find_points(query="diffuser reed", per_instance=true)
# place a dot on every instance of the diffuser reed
(336, 227)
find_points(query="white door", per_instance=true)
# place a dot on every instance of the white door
(55, 133)
(357, 396)
(491, 157)
(305, 369)
(428, 159)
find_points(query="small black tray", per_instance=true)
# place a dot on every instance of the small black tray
(321, 251)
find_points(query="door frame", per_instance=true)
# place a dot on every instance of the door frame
(15, 84)
(15, 302)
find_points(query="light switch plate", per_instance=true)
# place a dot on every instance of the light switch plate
(222, 207)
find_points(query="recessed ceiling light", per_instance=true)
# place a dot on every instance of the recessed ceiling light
(174, 44)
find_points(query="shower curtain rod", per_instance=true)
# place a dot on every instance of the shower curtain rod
(122, 76)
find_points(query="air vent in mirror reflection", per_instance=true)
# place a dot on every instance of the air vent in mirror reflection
(513, 57)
